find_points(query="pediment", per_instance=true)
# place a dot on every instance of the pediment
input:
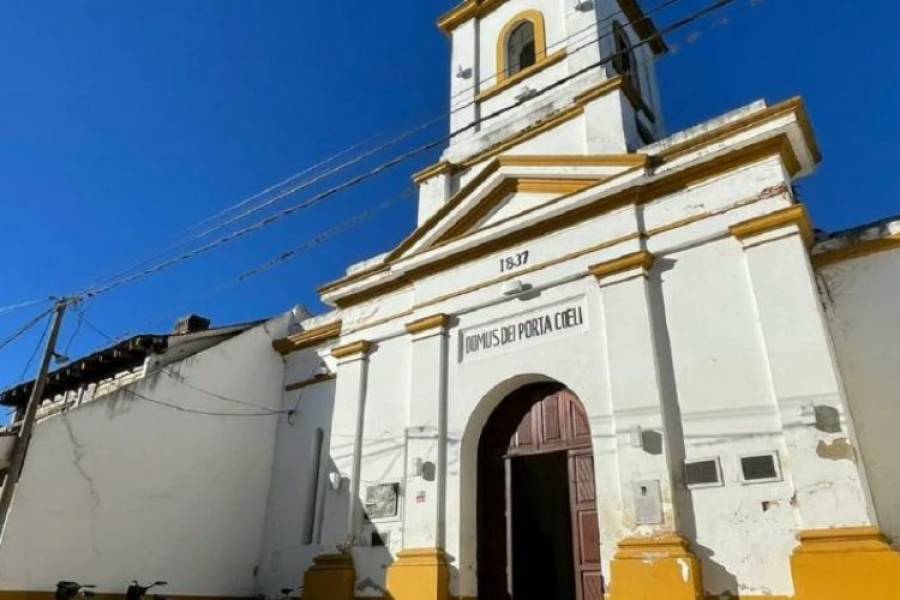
(510, 186)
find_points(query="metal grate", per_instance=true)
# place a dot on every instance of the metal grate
(759, 468)
(702, 472)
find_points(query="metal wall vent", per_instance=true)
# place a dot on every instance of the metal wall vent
(702, 473)
(760, 467)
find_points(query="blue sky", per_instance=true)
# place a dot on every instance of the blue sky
(123, 124)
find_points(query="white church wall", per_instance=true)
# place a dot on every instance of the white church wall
(122, 488)
(727, 410)
(865, 327)
(295, 512)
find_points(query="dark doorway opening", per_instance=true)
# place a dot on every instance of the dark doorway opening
(541, 527)
(538, 534)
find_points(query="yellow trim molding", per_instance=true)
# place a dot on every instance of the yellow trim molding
(310, 382)
(794, 215)
(332, 577)
(492, 200)
(308, 338)
(509, 81)
(441, 168)
(655, 567)
(361, 347)
(536, 18)
(638, 260)
(794, 106)
(665, 185)
(421, 574)
(439, 321)
(837, 564)
(856, 250)
(478, 9)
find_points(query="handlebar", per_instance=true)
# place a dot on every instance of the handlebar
(136, 591)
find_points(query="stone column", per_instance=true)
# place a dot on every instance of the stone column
(840, 555)
(653, 560)
(421, 570)
(333, 576)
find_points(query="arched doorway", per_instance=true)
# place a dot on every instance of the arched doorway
(538, 534)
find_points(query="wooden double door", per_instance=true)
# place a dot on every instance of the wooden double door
(538, 527)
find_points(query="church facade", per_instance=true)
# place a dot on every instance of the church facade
(601, 366)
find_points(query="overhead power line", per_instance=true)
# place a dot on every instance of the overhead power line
(387, 165)
(307, 183)
(24, 329)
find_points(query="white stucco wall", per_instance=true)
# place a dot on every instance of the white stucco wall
(121, 488)
(862, 302)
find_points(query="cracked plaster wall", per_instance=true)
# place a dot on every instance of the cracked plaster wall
(121, 488)
(861, 303)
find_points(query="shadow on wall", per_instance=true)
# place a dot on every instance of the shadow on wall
(715, 576)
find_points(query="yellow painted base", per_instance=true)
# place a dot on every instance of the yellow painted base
(418, 575)
(331, 577)
(655, 568)
(843, 564)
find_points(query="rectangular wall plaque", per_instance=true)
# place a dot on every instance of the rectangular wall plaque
(647, 502)
(381, 500)
(547, 322)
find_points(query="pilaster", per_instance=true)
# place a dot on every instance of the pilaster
(421, 571)
(804, 375)
(840, 554)
(652, 560)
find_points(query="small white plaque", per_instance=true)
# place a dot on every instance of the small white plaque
(647, 502)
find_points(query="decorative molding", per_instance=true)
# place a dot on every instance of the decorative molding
(638, 260)
(509, 81)
(362, 347)
(794, 215)
(511, 186)
(478, 9)
(856, 250)
(574, 160)
(794, 106)
(441, 168)
(308, 338)
(536, 18)
(664, 185)
(310, 382)
(439, 321)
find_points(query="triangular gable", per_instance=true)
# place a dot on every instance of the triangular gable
(502, 179)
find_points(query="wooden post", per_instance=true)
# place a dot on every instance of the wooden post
(37, 392)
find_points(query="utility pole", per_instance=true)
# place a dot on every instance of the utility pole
(37, 392)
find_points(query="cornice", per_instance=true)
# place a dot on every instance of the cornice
(310, 382)
(356, 348)
(794, 215)
(438, 321)
(638, 260)
(441, 168)
(856, 250)
(663, 185)
(308, 338)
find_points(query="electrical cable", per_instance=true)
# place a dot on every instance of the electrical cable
(343, 166)
(385, 166)
(167, 370)
(24, 329)
(34, 353)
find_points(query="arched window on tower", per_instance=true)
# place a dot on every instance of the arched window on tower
(623, 59)
(521, 51)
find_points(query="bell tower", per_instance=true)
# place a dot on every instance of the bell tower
(504, 51)
(519, 68)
